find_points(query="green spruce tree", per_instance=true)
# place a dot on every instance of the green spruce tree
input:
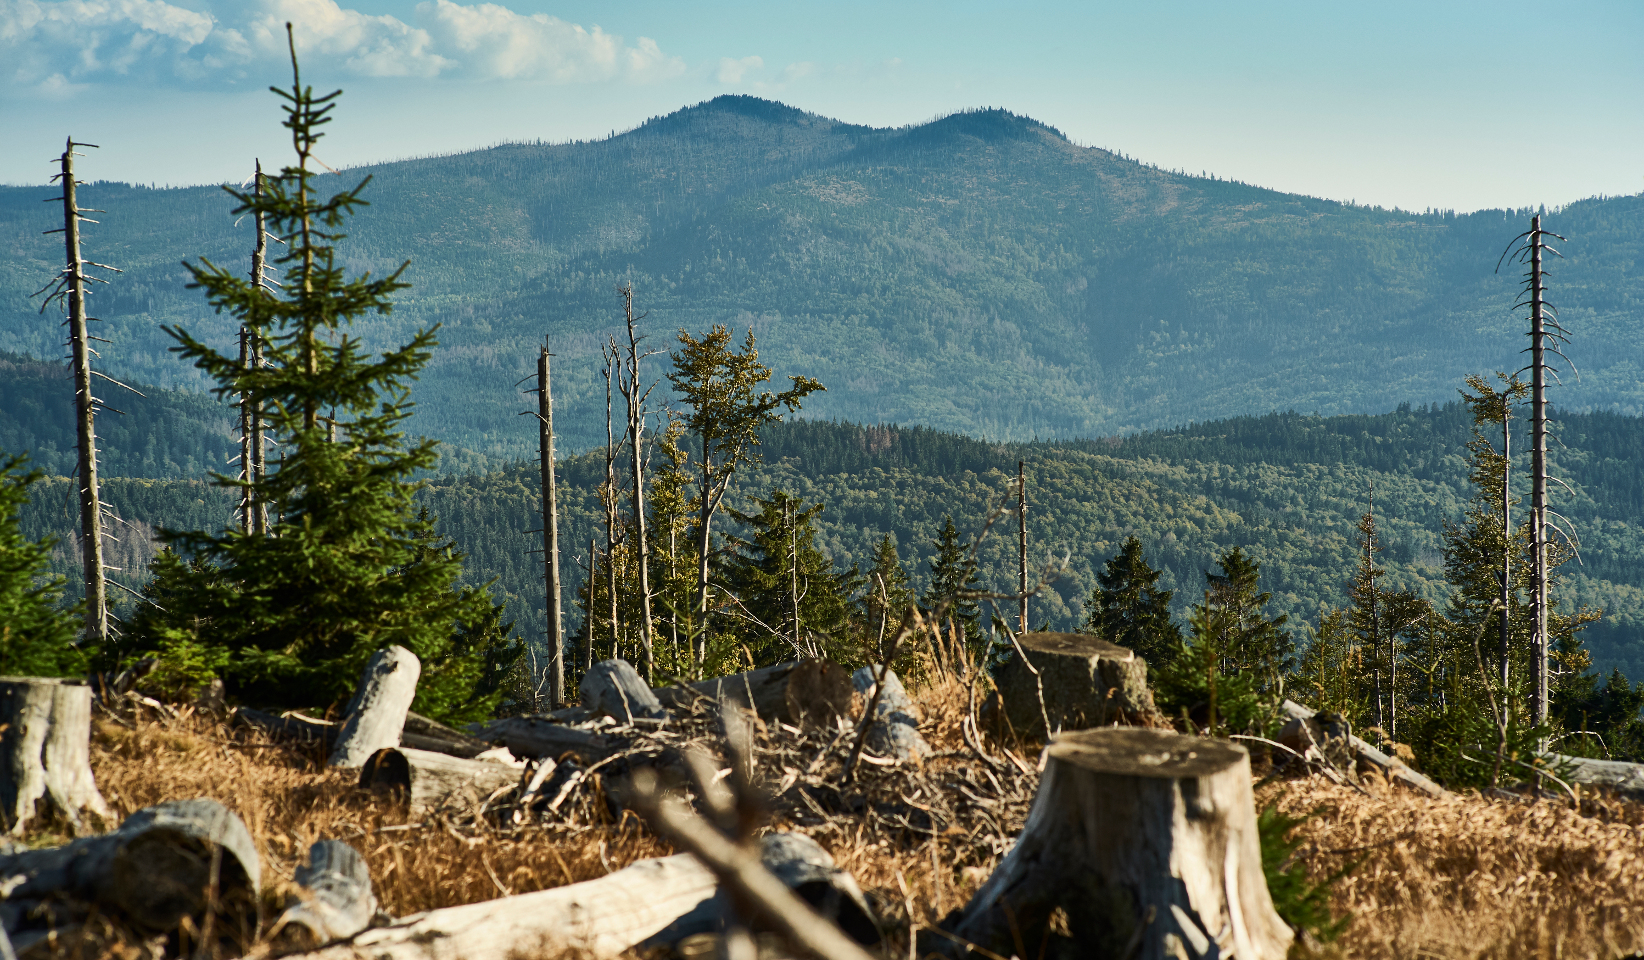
(886, 594)
(1128, 609)
(778, 566)
(37, 633)
(952, 574)
(345, 572)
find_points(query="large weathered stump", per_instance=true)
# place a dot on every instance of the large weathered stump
(45, 752)
(165, 863)
(798, 691)
(335, 901)
(1076, 682)
(895, 726)
(376, 716)
(614, 688)
(433, 780)
(1144, 843)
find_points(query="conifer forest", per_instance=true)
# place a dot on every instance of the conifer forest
(759, 535)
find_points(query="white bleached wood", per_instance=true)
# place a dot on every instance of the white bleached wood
(614, 688)
(45, 752)
(895, 730)
(433, 780)
(377, 715)
(1146, 841)
(335, 901)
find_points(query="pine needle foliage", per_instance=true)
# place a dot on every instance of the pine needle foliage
(37, 633)
(1128, 608)
(346, 570)
(952, 574)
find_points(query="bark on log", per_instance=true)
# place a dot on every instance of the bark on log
(45, 753)
(421, 733)
(895, 729)
(336, 901)
(1086, 682)
(598, 918)
(153, 871)
(535, 738)
(614, 688)
(796, 692)
(1394, 767)
(1147, 843)
(433, 781)
(376, 717)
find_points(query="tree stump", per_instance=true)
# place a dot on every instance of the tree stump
(45, 752)
(1143, 843)
(796, 692)
(895, 730)
(432, 781)
(336, 901)
(1076, 682)
(376, 716)
(613, 687)
(154, 871)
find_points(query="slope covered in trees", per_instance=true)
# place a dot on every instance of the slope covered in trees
(1288, 488)
(978, 273)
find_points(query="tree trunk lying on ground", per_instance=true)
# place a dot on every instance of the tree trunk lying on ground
(336, 901)
(538, 737)
(796, 692)
(1626, 779)
(1394, 767)
(153, 872)
(421, 733)
(614, 688)
(1075, 682)
(895, 729)
(1143, 844)
(376, 716)
(45, 752)
(433, 781)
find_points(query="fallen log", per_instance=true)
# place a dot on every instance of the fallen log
(376, 716)
(1073, 681)
(335, 901)
(1144, 844)
(421, 733)
(796, 692)
(288, 727)
(895, 729)
(433, 781)
(614, 688)
(598, 919)
(1626, 779)
(45, 753)
(166, 863)
(534, 738)
(1395, 768)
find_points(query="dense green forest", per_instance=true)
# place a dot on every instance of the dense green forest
(978, 274)
(1287, 487)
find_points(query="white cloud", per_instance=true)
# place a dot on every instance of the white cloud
(49, 44)
(732, 71)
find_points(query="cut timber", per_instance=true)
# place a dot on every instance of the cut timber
(434, 781)
(421, 733)
(798, 691)
(597, 919)
(895, 730)
(1146, 841)
(154, 871)
(536, 738)
(613, 688)
(1085, 682)
(376, 717)
(1626, 779)
(1394, 767)
(335, 902)
(45, 752)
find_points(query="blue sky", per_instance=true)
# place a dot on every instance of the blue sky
(1463, 105)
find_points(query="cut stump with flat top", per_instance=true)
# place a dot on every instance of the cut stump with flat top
(1085, 682)
(1144, 843)
(376, 717)
(45, 753)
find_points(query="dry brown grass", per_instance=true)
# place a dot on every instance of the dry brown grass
(1455, 879)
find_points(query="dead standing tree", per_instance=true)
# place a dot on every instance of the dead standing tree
(69, 289)
(550, 525)
(636, 395)
(608, 497)
(253, 443)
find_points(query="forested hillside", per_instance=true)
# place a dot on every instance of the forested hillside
(1287, 487)
(978, 274)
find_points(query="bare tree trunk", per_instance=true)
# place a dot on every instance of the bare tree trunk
(246, 512)
(1539, 709)
(259, 464)
(1145, 844)
(636, 432)
(91, 526)
(45, 752)
(1021, 519)
(610, 497)
(1506, 549)
(588, 621)
(793, 572)
(550, 527)
(703, 536)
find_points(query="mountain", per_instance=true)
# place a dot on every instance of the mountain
(978, 273)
